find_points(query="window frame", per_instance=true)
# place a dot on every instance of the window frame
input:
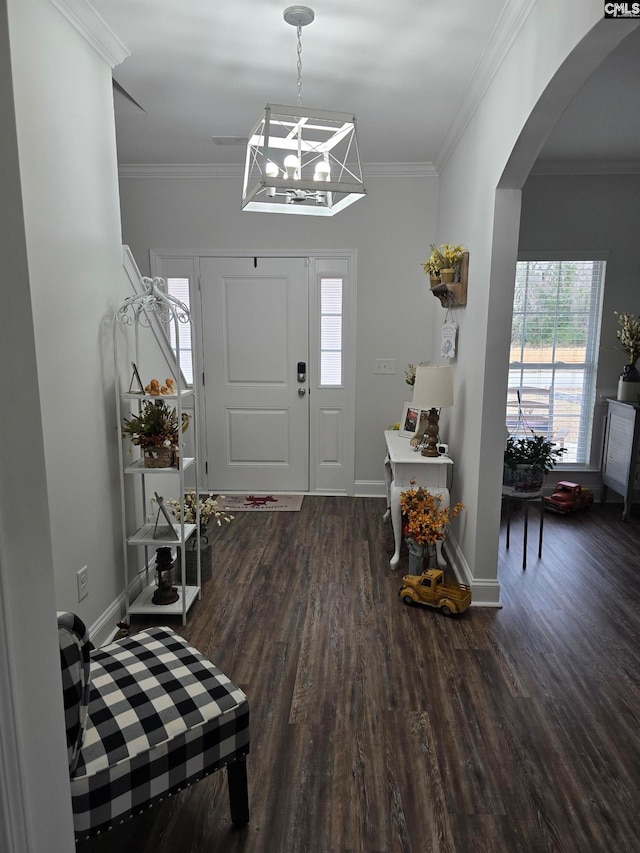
(589, 366)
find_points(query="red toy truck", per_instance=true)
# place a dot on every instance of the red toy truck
(568, 497)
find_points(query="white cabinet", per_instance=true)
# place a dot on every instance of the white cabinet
(620, 462)
(144, 328)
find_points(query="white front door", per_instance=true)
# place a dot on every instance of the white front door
(254, 315)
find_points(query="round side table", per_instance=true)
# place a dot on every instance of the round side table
(526, 498)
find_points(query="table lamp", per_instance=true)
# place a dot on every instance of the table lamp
(432, 391)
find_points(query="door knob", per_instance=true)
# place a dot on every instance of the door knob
(302, 392)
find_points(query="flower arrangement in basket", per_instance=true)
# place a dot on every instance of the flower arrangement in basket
(209, 508)
(425, 520)
(155, 431)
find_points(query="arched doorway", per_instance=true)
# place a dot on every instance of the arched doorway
(480, 201)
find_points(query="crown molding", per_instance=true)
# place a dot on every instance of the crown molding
(508, 25)
(179, 170)
(586, 167)
(235, 171)
(92, 27)
(399, 170)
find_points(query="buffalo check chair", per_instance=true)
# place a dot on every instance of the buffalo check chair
(145, 717)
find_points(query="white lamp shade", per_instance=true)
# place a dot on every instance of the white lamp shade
(433, 388)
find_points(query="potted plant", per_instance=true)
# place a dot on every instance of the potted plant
(155, 431)
(452, 256)
(629, 336)
(425, 522)
(433, 265)
(209, 509)
(528, 459)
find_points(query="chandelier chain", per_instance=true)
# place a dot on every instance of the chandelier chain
(299, 50)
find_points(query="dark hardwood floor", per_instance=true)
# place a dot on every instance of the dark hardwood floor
(379, 727)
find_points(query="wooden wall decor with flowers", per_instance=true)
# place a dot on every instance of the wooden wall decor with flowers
(452, 294)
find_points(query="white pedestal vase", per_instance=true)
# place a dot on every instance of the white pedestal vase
(629, 384)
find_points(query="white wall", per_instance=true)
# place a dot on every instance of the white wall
(390, 229)
(591, 213)
(584, 213)
(61, 249)
(501, 138)
(30, 812)
(66, 139)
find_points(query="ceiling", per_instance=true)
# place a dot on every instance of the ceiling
(411, 71)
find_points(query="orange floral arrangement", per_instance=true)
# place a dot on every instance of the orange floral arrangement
(425, 521)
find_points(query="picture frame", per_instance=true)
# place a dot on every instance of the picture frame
(410, 420)
(168, 532)
(135, 386)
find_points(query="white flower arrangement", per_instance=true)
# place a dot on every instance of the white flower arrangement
(629, 335)
(209, 508)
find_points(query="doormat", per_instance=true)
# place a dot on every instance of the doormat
(261, 503)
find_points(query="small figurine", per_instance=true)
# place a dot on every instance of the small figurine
(153, 388)
(568, 497)
(431, 589)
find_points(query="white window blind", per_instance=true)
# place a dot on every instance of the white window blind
(179, 287)
(557, 310)
(331, 331)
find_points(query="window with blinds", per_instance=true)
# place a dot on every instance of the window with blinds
(179, 287)
(557, 310)
(331, 331)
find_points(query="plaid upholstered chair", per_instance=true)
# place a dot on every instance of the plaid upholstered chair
(146, 716)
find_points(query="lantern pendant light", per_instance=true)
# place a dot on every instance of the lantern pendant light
(301, 160)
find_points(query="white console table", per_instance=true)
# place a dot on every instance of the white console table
(404, 464)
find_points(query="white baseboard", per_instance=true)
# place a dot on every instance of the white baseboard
(485, 592)
(370, 489)
(105, 627)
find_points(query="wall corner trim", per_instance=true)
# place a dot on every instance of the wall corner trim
(84, 18)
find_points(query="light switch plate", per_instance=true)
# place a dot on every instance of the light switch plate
(385, 365)
(83, 582)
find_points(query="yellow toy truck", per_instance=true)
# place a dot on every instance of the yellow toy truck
(430, 588)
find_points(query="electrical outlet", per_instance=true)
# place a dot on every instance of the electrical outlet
(83, 582)
(385, 365)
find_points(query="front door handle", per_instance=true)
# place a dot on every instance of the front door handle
(302, 392)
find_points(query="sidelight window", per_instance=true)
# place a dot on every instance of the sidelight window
(331, 311)
(179, 287)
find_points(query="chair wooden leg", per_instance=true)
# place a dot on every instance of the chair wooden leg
(238, 792)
